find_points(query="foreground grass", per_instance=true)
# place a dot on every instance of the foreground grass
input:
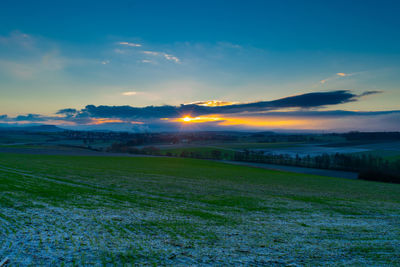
(119, 210)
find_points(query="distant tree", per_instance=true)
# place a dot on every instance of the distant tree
(216, 154)
(185, 154)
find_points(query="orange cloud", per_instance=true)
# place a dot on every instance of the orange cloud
(106, 120)
(213, 103)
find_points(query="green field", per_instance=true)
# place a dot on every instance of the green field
(227, 150)
(393, 158)
(9, 138)
(204, 151)
(77, 210)
(41, 146)
(247, 145)
(390, 155)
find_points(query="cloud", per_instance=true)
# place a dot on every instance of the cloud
(217, 115)
(337, 76)
(129, 93)
(324, 114)
(30, 117)
(119, 51)
(168, 57)
(317, 99)
(153, 53)
(302, 101)
(67, 111)
(31, 57)
(342, 74)
(17, 38)
(371, 93)
(212, 103)
(229, 45)
(19, 70)
(171, 58)
(129, 44)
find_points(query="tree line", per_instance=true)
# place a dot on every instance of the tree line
(370, 167)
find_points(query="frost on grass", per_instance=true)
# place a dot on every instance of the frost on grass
(55, 235)
(153, 220)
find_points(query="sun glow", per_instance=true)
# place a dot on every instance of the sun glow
(250, 122)
(202, 119)
(187, 119)
(261, 122)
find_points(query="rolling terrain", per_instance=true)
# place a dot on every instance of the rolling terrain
(83, 210)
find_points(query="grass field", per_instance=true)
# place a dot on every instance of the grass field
(227, 150)
(393, 158)
(390, 155)
(204, 151)
(7, 138)
(246, 145)
(76, 210)
(41, 146)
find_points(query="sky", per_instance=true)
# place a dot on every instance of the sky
(201, 65)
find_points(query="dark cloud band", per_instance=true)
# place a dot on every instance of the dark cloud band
(305, 105)
(303, 101)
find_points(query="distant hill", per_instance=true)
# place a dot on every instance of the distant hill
(32, 128)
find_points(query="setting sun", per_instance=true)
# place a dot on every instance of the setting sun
(187, 119)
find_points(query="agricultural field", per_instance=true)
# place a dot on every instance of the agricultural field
(393, 158)
(81, 210)
(259, 145)
(390, 151)
(21, 138)
(202, 151)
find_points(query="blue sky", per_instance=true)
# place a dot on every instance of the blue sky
(70, 54)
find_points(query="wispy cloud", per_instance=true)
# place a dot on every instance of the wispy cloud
(168, 57)
(371, 93)
(213, 103)
(337, 76)
(119, 51)
(342, 74)
(18, 38)
(130, 44)
(33, 65)
(324, 80)
(171, 58)
(129, 93)
(30, 57)
(229, 45)
(153, 53)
